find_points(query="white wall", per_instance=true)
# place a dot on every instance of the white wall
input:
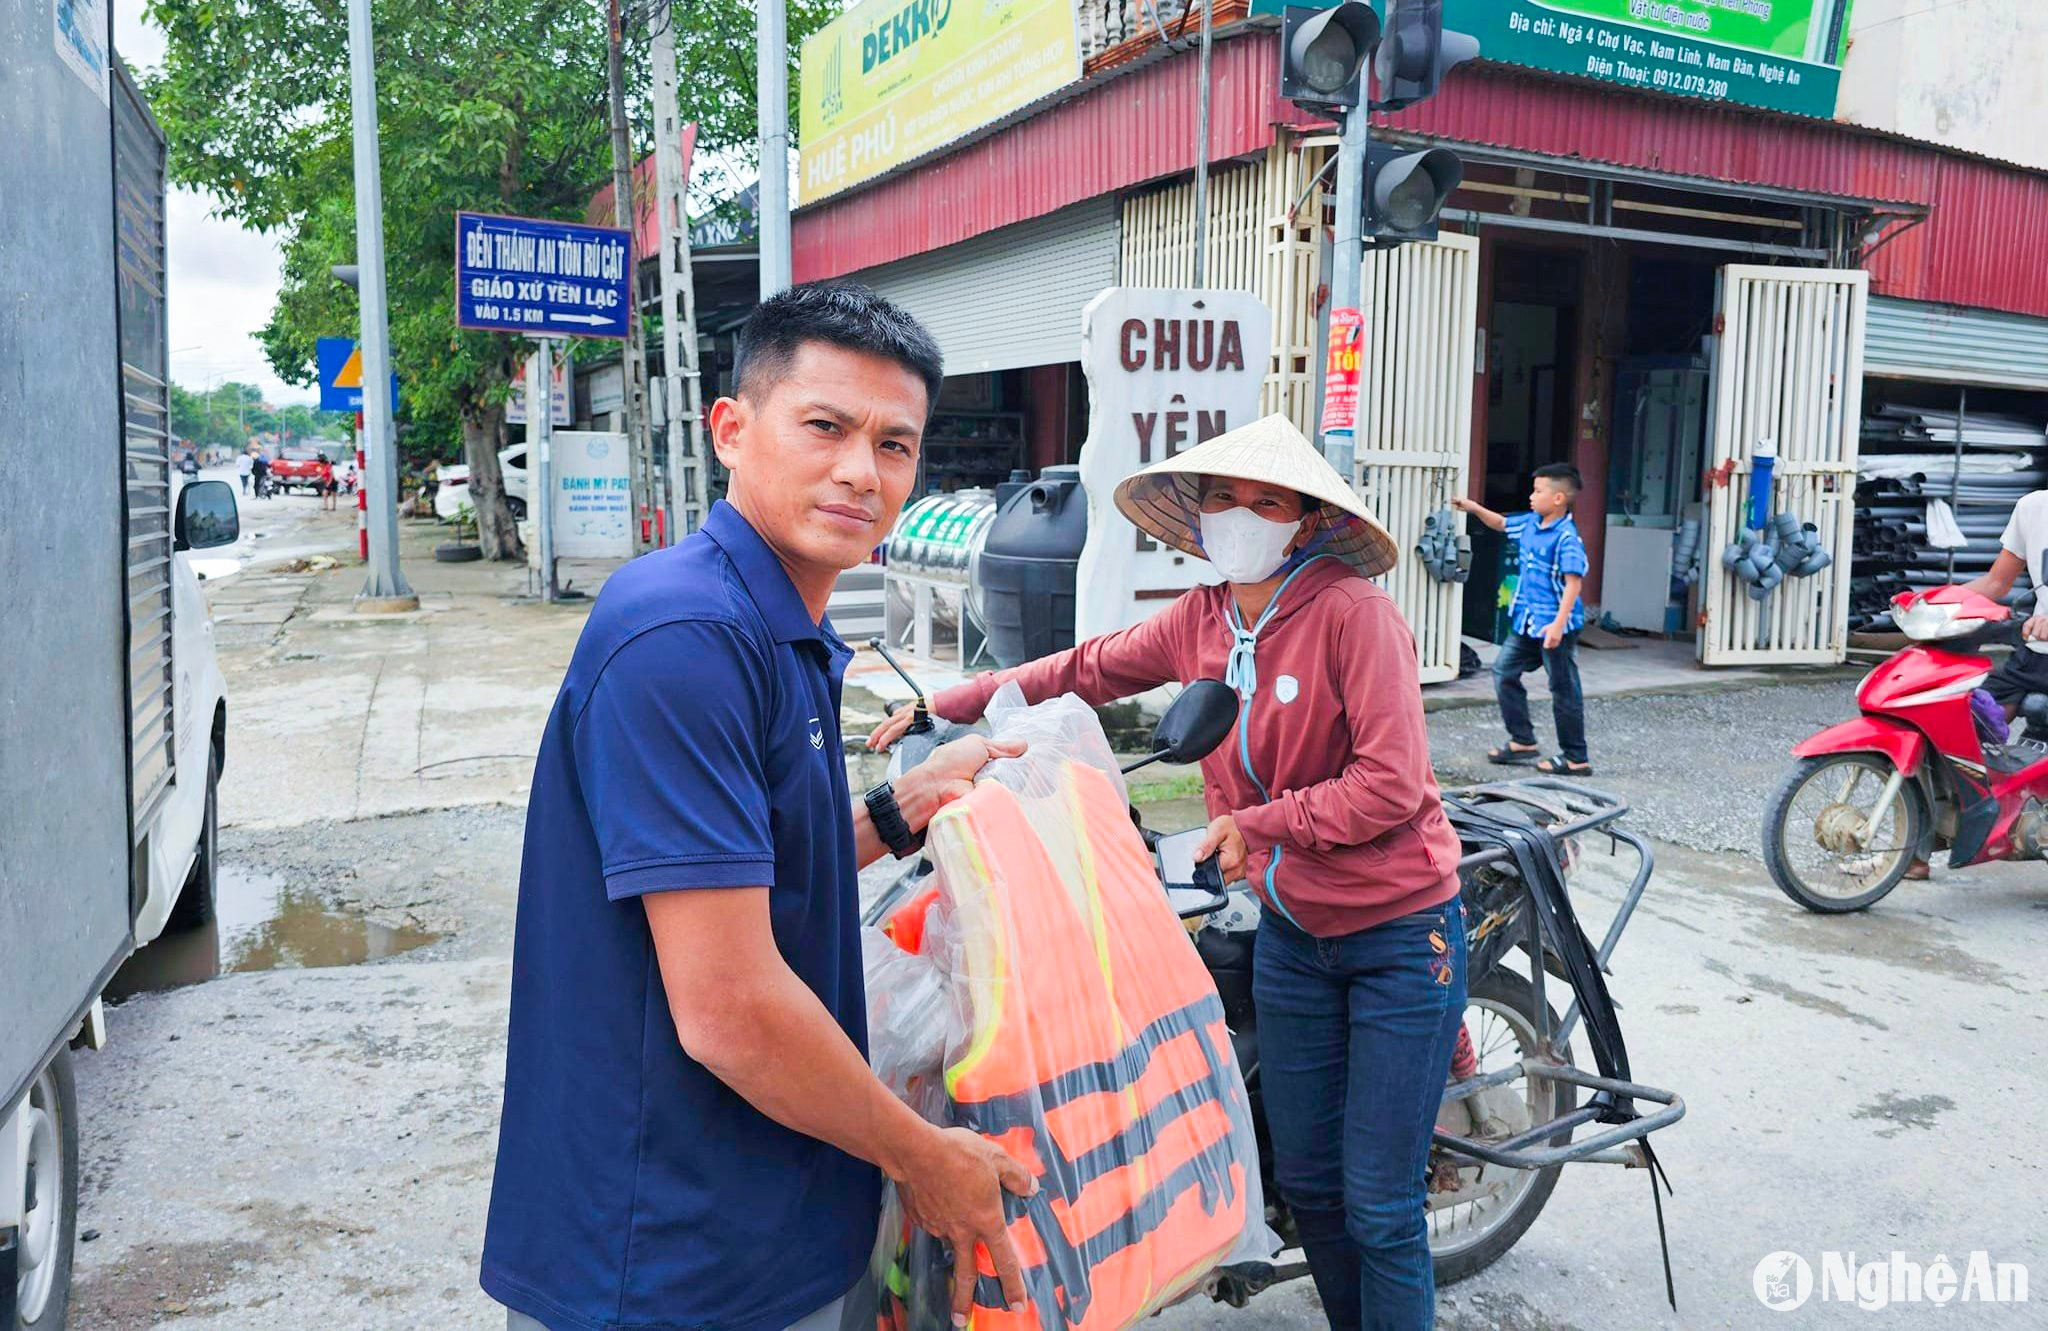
(1968, 74)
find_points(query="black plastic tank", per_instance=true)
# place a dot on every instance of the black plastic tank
(1024, 576)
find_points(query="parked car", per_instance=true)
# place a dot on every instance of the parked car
(300, 468)
(453, 495)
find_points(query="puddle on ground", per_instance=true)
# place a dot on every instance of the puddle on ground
(261, 924)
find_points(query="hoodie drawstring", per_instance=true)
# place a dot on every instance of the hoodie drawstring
(1241, 671)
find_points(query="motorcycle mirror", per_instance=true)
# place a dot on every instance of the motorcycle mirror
(921, 719)
(1194, 724)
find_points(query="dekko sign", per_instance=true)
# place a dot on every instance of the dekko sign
(890, 80)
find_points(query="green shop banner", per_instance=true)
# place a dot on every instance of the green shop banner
(1782, 55)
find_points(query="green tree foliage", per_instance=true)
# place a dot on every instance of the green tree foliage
(716, 53)
(486, 105)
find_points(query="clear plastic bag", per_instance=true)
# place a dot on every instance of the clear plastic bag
(1084, 1035)
(909, 1011)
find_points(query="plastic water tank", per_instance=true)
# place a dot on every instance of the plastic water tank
(1024, 574)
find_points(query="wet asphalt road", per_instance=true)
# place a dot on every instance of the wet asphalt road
(299, 1148)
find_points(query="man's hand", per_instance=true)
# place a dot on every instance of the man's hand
(2035, 629)
(893, 729)
(953, 1191)
(1227, 843)
(1553, 637)
(948, 775)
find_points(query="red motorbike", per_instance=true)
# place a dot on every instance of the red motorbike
(1924, 767)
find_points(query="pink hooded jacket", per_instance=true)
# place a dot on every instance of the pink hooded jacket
(1328, 772)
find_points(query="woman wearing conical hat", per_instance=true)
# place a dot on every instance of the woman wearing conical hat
(1324, 802)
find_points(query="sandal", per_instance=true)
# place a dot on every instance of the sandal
(1559, 767)
(1507, 755)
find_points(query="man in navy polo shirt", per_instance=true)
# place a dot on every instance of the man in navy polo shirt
(691, 1136)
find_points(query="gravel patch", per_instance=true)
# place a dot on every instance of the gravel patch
(1697, 768)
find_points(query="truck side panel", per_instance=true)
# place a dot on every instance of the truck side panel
(64, 761)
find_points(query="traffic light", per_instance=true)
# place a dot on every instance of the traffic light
(1405, 189)
(1322, 51)
(1416, 53)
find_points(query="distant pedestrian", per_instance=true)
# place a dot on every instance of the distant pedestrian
(245, 467)
(1544, 622)
(329, 487)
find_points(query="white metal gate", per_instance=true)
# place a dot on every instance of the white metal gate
(1415, 427)
(1788, 366)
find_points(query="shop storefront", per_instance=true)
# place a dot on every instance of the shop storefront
(1576, 306)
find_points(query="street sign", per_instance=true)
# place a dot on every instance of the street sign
(341, 375)
(544, 279)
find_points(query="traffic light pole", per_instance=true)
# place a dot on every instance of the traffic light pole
(384, 590)
(1348, 253)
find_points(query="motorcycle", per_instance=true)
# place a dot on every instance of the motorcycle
(1506, 1126)
(1923, 767)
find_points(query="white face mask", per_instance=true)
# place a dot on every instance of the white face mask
(1243, 546)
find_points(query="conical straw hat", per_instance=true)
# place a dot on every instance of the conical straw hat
(1166, 498)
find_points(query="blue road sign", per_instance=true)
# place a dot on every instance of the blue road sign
(543, 279)
(341, 375)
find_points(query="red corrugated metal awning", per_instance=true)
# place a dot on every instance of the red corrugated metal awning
(1985, 242)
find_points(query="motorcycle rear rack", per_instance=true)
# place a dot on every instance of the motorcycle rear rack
(1597, 811)
(1523, 1151)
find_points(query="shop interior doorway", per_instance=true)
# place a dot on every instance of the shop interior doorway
(1658, 447)
(1532, 351)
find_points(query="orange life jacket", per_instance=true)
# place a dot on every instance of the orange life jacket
(1097, 1056)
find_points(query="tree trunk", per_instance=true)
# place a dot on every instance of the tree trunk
(496, 532)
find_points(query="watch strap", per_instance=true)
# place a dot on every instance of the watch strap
(889, 822)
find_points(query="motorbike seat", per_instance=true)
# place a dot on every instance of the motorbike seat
(2015, 755)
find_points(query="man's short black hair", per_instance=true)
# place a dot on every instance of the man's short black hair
(1562, 474)
(840, 314)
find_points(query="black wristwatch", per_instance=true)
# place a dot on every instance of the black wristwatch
(889, 825)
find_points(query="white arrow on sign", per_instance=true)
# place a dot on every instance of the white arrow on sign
(592, 319)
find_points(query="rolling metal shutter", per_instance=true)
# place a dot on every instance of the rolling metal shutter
(1948, 344)
(1013, 297)
(145, 421)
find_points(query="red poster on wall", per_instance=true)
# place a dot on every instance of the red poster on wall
(1340, 374)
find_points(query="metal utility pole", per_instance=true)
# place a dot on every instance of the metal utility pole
(1202, 154)
(1347, 283)
(540, 431)
(682, 388)
(384, 590)
(633, 357)
(771, 41)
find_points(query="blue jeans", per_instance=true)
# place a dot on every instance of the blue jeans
(1355, 1039)
(1518, 656)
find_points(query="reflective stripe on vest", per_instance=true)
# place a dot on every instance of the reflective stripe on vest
(1097, 1056)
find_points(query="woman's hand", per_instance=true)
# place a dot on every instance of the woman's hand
(891, 730)
(1227, 843)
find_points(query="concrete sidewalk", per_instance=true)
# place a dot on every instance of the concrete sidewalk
(364, 715)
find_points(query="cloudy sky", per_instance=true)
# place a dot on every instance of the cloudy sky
(223, 280)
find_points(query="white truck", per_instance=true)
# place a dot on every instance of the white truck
(113, 726)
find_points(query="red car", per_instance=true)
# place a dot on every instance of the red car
(300, 468)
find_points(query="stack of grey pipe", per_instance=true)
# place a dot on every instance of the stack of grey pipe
(1785, 548)
(1909, 458)
(1444, 551)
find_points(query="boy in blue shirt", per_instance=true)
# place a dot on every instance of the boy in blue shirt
(1545, 617)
